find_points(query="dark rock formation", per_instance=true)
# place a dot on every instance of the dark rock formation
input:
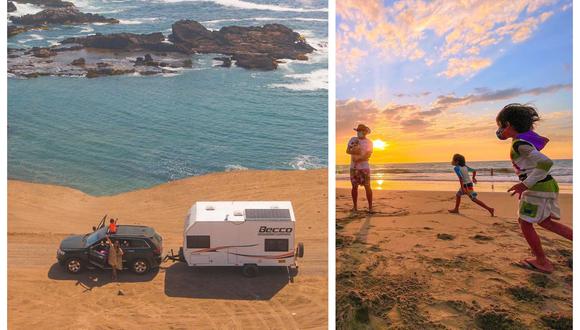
(43, 52)
(258, 48)
(251, 47)
(107, 71)
(70, 60)
(256, 61)
(65, 15)
(11, 7)
(122, 41)
(226, 61)
(17, 29)
(275, 40)
(79, 61)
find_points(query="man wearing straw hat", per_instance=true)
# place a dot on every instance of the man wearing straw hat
(360, 149)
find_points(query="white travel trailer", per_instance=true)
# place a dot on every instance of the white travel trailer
(247, 234)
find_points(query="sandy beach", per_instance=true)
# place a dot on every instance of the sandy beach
(414, 265)
(42, 295)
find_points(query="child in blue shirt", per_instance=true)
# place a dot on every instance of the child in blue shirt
(466, 184)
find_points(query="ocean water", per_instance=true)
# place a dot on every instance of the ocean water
(438, 176)
(114, 134)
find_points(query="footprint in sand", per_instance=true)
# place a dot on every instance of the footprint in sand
(445, 237)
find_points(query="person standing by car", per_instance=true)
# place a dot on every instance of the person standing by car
(115, 257)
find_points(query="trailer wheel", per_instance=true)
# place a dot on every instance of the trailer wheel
(300, 250)
(250, 270)
(74, 265)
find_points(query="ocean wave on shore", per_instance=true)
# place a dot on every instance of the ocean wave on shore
(502, 171)
(306, 162)
(239, 4)
(311, 81)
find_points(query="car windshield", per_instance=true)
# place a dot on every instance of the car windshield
(96, 236)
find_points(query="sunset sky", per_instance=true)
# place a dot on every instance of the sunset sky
(429, 77)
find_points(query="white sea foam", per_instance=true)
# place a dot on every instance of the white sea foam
(25, 9)
(235, 167)
(31, 37)
(87, 29)
(240, 4)
(137, 21)
(312, 81)
(87, 6)
(267, 19)
(306, 162)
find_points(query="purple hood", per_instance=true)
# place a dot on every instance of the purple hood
(534, 138)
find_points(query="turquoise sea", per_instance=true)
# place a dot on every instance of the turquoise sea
(114, 134)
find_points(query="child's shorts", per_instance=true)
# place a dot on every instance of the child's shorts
(536, 207)
(469, 188)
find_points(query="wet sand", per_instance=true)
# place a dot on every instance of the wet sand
(42, 295)
(414, 265)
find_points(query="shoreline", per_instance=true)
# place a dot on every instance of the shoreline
(163, 183)
(439, 186)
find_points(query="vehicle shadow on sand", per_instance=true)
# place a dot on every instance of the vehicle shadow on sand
(92, 278)
(224, 282)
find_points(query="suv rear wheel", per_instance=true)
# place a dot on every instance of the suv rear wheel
(74, 265)
(139, 266)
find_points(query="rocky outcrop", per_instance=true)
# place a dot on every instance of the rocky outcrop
(79, 62)
(274, 40)
(43, 52)
(122, 41)
(65, 15)
(250, 47)
(226, 61)
(56, 61)
(256, 48)
(255, 61)
(101, 71)
(11, 7)
(17, 29)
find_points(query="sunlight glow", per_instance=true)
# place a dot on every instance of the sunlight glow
(379, 144)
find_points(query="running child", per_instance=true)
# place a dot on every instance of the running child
(537, 191)
(466, 184)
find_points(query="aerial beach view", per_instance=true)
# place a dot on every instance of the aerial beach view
(436, 88)
(72, 131)
(138, 109)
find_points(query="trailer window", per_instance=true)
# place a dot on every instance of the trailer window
(272, 245)
(197, 242)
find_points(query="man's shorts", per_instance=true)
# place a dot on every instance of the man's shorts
(535, 208)
(470, 191)
(360, 177)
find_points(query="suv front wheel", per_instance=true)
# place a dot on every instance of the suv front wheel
(74, 265)
(139, 266)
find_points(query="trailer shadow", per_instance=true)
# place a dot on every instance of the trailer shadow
(92, 278)
(224, 282)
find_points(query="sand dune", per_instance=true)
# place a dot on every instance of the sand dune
(414, 265)
(42, 295)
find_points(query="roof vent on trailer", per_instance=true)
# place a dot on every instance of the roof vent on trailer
(209, 208)
(238, 213)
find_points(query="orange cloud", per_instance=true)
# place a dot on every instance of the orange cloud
(465, 66)
(465, 26)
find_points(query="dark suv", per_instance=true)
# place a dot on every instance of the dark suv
(141, 245)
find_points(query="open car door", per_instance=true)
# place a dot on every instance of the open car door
(101, 224)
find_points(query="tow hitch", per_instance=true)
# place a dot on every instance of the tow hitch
(175, 257)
